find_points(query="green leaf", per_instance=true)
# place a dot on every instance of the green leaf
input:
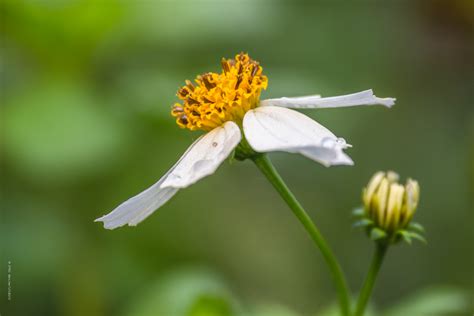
(184, 292)
(357, 212)
(334, 310)
(211, 305)
(433, 301)
(271, 309)
(377, 234)
(363, 223)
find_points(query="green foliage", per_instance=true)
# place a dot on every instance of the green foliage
(63, 34)
(334, 310)
(270, 309)
(434, 301)
(189, 292)
(210, 305)
(61, 126)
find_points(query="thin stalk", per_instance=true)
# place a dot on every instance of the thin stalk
(365, 292)
(267, 168)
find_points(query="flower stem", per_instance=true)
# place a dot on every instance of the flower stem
(380, 251)
(267, 168)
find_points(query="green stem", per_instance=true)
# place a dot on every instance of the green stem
(364, 296)
(266, 167)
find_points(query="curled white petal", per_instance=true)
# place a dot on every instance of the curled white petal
(327, 156)
(201, 159)
(273, 128)
(366, 97)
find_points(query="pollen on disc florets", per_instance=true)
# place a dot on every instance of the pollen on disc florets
(218, 98)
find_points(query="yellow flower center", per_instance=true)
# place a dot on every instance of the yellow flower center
(218, 98)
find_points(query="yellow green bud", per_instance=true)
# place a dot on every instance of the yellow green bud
(388, 207)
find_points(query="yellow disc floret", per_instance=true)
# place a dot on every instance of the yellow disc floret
(218, 98)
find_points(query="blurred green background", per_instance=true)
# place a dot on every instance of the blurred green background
(86, 93)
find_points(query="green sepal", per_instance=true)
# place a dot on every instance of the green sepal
(416, 227)
(406, 235)
(363, 223)
(418, 237)
(358, 212)
(377, 234)
(231, 157)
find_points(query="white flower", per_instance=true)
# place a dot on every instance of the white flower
(271, 126)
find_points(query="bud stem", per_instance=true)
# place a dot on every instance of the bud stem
(267, 168)
(365, 292)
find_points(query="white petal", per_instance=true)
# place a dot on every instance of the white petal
(139, 207)
(273, 128)
(327, 156)
(205, 157)
(201, 159)
(366, 97)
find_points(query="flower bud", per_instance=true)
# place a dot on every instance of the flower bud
(389, 208)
